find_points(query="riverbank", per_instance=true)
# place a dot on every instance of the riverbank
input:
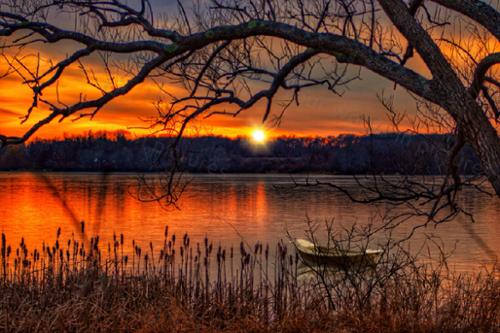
(79, 285)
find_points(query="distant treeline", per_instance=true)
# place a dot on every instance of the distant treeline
(345, 154)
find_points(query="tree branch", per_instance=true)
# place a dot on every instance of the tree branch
(478, 11)
(480, 73)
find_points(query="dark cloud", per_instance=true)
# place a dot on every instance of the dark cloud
(5, 112)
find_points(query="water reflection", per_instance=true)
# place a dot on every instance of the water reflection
(225, 208)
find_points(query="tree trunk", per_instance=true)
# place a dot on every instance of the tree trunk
(487, 146)
(482, 136)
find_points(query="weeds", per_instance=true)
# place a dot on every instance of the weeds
(76, 286)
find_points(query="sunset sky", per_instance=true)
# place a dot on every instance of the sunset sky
(320, 113)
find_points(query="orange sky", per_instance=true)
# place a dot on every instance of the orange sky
(320, 113)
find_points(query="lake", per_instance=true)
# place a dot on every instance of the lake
(226, 208)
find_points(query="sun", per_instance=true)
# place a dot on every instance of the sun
(258, 136)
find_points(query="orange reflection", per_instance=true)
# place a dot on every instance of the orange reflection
(261, 206)
(226, 208)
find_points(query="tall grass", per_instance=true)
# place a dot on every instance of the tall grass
(181, 286)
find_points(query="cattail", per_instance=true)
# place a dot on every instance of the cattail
(82, 226)
(96, 244)
(26, 263)
(242, 249)
(4, 246)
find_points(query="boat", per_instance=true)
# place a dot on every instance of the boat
(312, 254)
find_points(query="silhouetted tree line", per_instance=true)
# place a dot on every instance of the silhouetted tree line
(344, 154)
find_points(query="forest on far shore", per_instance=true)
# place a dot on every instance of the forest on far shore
(345, 154)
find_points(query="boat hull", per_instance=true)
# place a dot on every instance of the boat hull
(318, 255)
(344, 261)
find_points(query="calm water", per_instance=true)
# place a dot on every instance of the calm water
(226, 208)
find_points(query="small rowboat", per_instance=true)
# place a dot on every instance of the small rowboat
(313, 254)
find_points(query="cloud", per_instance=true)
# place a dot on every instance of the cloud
(9, 113)
(320, 112)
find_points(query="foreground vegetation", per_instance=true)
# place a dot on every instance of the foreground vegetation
(76, 285)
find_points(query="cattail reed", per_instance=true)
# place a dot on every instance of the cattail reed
(80, 288)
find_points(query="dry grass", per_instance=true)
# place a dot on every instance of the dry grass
(181, 287)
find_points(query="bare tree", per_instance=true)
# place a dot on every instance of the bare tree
(231, 55)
